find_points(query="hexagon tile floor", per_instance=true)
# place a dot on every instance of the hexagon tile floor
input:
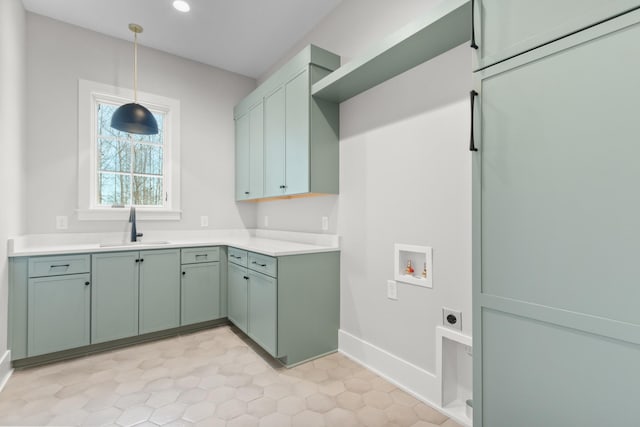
(210, 378)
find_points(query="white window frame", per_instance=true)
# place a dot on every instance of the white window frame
(89, 94)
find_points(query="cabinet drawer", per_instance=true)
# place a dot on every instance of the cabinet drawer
(264, 264)
(238, 256)
(198, 255)
(58, 265)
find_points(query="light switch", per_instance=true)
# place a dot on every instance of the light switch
(325, 223)
(392, 289)
(266, 221)
(204, 221)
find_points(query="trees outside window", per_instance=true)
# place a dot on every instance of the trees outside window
(130, 167)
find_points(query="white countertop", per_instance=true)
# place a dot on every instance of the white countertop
(268, 242)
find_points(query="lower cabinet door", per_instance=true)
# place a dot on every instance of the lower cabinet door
(114, 296)
(200, 292)
(59, 313)
(237, 296)
(159, 290)
(263, 311)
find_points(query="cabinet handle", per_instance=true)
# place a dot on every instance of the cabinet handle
(141, 259)
(87, 283)
(472, 144)
(246, 192)
(473, 26)
(261, 265)
(201, 255)
(246, 277)
(235, 256)
(283, 186)
(137, 260)
(61, 265)
(184, 272)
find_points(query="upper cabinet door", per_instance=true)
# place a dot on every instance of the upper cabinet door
(297, 134)
(274, 144)
(505, 29)
(242, 158)
(256, 151)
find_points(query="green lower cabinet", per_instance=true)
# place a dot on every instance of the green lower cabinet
(200, 292)
(159, 290)
(263, 311)
(114, 296)
(58, 313)
(237, 296)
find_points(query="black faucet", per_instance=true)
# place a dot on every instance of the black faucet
(132, 220)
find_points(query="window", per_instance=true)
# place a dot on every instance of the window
(118, 169)
(130, 167)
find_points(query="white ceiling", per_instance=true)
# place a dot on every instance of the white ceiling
(243, 36)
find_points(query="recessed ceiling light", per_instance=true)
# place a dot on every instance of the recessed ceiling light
(181, 5)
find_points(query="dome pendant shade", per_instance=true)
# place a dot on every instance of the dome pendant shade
(134, 118)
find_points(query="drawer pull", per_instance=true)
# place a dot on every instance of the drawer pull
(235, 256)
(184, 272)
(61, 265)
(201, 255)
(246, 277)
(87, 283)
(261, 265)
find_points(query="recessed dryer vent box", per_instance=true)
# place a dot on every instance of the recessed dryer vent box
(417, 258)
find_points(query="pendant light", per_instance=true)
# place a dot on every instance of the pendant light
(133, 117)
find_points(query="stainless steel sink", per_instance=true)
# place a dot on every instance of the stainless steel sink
(133, 244)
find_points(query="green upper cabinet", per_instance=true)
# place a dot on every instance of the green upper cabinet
(243, 191)
(274, 143)
(300, 133)
(114, 297)
(159, 290)
(502, 31)
(249, 154)
(297, 134)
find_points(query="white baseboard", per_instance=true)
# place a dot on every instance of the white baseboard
(5, 369)
(416, 381)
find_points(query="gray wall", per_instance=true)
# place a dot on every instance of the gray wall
(12, 139)
(59, 54)
(404, 178)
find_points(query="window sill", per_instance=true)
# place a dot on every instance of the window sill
(122, 214)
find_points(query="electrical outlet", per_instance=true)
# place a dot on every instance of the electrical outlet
(325, 223)
(204, 221)
(392, 289)
(266, 221)
(62, 222)
(452, 318)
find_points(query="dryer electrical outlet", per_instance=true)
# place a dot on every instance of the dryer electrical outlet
(452, 318)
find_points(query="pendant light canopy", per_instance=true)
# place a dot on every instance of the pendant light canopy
(133, 117)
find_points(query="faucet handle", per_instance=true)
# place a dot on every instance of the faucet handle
(139, 234)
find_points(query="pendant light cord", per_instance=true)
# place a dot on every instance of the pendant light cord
(135, 67)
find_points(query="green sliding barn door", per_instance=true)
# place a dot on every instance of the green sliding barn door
(556, 232)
